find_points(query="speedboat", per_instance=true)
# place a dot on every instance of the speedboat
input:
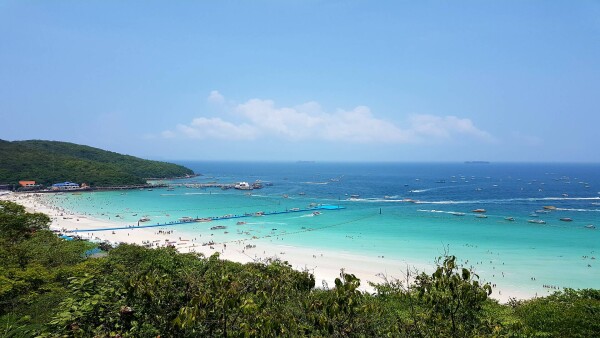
(457, 213)
(536, 221)
(566, 219)
(481, 216)
(590, 226)
(479, 210)
(511, 219)
(144, 219)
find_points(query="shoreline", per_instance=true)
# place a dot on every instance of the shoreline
(325, 265)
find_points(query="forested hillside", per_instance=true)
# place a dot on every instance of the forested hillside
(48, 162)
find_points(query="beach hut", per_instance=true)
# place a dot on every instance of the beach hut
(27, 183)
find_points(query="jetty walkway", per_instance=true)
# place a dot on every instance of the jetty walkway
(216, 218)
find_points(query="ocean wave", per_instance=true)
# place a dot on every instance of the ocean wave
(432, 210)
(457, 213)
(449, 202)
(582, 210)
(500, 201)
(375, 200)
(569, 198)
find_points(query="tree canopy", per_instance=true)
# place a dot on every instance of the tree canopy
(48, 162)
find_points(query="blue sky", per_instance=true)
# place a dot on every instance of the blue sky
(306, 80)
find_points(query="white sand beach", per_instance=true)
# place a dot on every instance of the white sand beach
(325, 265)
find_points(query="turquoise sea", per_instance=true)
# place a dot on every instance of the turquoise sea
(405, 211)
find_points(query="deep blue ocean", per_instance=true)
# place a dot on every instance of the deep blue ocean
(407, 211)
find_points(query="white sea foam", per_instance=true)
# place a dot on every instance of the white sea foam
(581, 210)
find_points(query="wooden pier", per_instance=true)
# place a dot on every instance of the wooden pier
(216, 218)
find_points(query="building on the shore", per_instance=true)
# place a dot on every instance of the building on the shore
(65, 186)
(27, 184)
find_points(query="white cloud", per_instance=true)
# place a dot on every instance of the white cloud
(263, 119)
(205, 128)
(215, 97)
(444, 127)
(359, 125)
(287, 122)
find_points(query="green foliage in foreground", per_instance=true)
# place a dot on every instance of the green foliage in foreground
(49, 289)
(48, 162)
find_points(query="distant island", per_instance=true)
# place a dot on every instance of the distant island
(477, 162)
(49, 162)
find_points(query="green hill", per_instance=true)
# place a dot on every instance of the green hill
(48, 162)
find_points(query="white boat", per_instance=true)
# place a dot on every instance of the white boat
(457, 213)
(481, 216)
(243, 186)
(144, 219)
(590, 226)
(566, 219)
(536, 221)
(511, 219)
